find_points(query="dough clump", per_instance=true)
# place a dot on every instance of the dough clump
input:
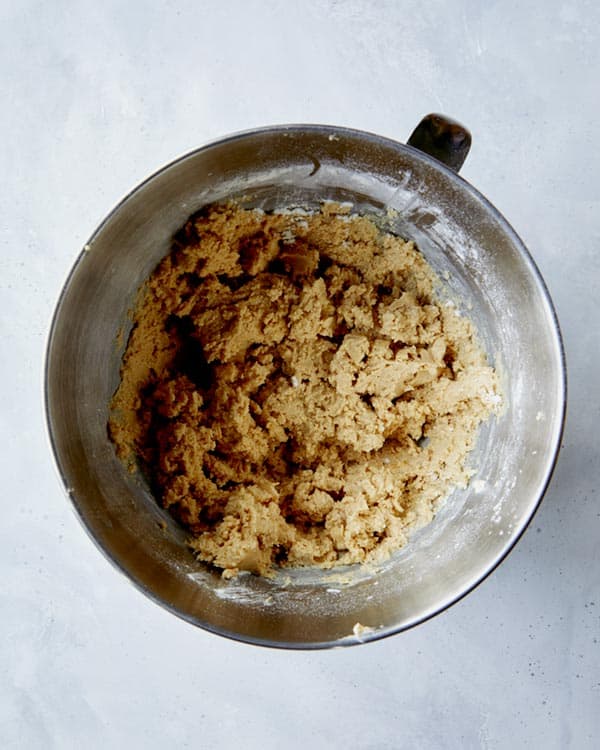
(295, 390)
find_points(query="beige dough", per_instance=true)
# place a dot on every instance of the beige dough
(296, 391)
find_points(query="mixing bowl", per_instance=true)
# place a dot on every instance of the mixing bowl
(489, 275)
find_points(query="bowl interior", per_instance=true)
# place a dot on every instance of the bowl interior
(488, 274)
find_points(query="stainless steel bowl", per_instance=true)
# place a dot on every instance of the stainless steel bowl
(490, 275)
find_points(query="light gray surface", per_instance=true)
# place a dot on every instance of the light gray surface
(96, 96)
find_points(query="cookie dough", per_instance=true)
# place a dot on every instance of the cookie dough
(295, 390)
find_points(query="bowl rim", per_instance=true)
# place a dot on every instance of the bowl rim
(551, 459)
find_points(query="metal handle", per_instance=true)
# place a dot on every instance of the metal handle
(444, 139)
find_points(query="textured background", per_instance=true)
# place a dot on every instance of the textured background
(95, 96)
